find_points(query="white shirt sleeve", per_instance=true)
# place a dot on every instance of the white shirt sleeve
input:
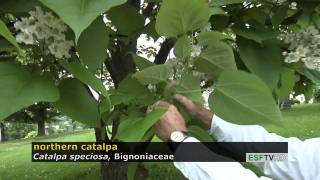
(303, 156)
(215, 170)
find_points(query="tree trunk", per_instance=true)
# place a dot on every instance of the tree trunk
(2, 132)
(41, 116)
(41, 127)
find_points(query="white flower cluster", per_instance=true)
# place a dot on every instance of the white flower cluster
(46, 31)
(292, 5)
(196, 49)
(304, 46)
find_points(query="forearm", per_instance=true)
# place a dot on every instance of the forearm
(225, 131)
(212, 170)
(300, 153)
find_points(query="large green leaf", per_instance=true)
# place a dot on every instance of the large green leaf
(79, 14)
(4, 31)
(279, 15)
(126, 19)
(154, 74)
(226, 2)
(93, 43)
(288, 81)
(76, 102)
(207, 38)
(180, 16)
(200, 133)
(141, 62)
(131, 86)
(189, 86)
(132, 169)
(17, 6)
(262, 59)
(133, 129)
(84, 75)
(182, 48)
(311, 74)
(216, 58)
(19, 89)
(243, 98)
(256, 32)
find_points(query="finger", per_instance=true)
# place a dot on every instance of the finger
(163, 104)
(184, 101)
(170, 85)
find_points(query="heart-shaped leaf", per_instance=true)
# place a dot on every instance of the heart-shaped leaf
(19, 89)
(243, 98)
(79, 14)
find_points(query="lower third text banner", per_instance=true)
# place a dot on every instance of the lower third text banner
(159, 151)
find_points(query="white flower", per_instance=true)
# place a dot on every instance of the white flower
(302, 51)
(293, 6)
(25, 38)
(37, 14)
(61, 49)
(309, 63)
(195, 50)
(45, 29)
(24, 23)
(292, 57)
(303, 46)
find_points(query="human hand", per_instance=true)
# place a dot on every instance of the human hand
(170, 122)
(196, 111)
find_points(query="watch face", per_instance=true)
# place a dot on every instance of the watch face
(177, 136)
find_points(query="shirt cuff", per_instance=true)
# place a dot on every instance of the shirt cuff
(191, 139)
(215, 123)
(218, 127)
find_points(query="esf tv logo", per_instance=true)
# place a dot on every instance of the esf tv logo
(265, 157)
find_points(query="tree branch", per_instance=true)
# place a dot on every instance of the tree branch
(148, 10)
(164, 51)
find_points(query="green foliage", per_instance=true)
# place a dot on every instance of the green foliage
(106, 36)
(17, 6)
(189, 86)
(207, 38)
(287, 80)
(20, 88)
(126, 19)
(191, 15)
(227, 2)
(216, 58)
(132, 87)
(4, 31)
(200, 134)
(262, 59)
(154, 74)
(132, 168)
(256, 32)
(93, 43)
(279, 15)
(182, 48)
(243, 98)
(79, 14)
(141, 62)
(133, 128)
(77, 103)
(84, 75)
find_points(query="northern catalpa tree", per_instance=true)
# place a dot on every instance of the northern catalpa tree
(83, 57)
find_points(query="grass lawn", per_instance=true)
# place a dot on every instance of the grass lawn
(15, 157)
